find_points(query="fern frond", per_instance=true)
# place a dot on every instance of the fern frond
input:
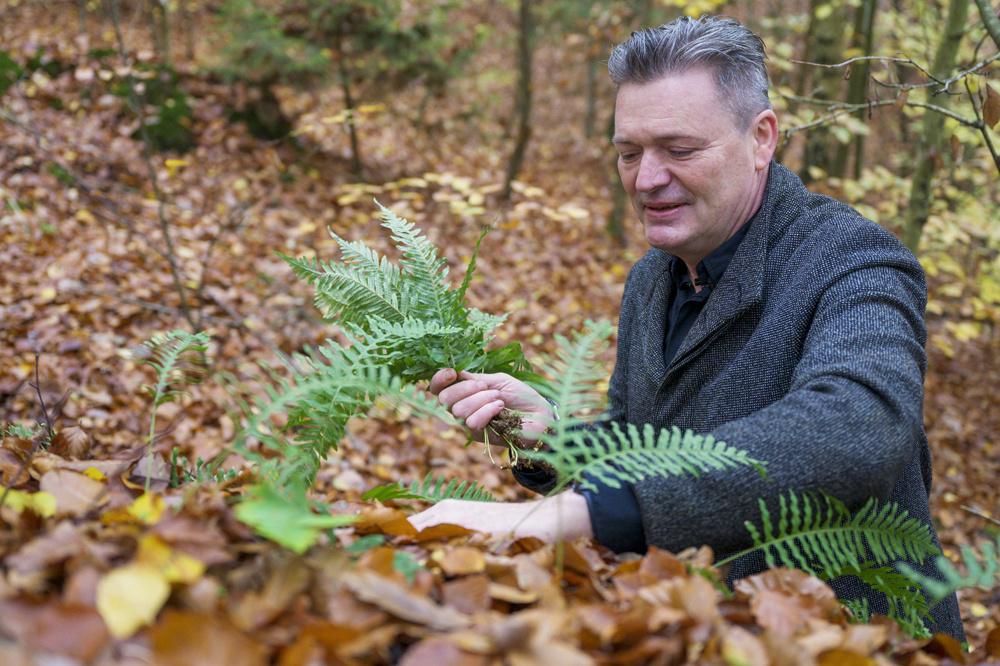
(615, 456)
(816, 533)
(470, 268)
(422, 269)
(431, 490)
(339, 383)
(346, 294)
(576, 369)
(982, 570)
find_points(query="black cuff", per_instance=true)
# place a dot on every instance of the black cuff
(615, 517)
(540, 479)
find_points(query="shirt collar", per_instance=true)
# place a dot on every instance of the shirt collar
(711, 268)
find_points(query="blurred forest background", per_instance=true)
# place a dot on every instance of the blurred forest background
(155, 156)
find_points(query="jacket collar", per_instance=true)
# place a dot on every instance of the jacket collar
(741, 286)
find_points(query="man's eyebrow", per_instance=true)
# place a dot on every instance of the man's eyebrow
(660, 137)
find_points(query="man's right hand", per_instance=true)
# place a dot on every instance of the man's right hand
(478, 397)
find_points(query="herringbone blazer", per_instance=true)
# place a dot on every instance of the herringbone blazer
(809, 355)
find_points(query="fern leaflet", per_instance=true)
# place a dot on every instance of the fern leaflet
(982, 574)
(430, 490)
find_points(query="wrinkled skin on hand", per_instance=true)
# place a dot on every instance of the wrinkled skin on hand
(476, 398)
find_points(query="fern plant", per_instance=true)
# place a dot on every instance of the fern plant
(178, 357)
(982, 570)
(430, 490)
(817, 534)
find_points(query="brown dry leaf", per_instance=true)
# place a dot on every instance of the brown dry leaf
(317, 643)
(470, 594)
(199, 538)
(71, 442)
(657, 565)
(403, 603)
(606, 627)
(530, 574)
(842, 657)
(32, 564)
(70, 630)
(436, 651)
(991, 107)
(75, 493)
(256, 608)
(783, 614)
(865, 638)
(812, 593)
(460, 561)
(944, 645)
(992, 646)
(183, 638)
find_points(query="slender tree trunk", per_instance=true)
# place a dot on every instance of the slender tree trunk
(81, 16)
(615, 225)
(525, 53)
(861, 40)
(827, 29)
(159, 26)
(590, 118)
(929, 147)
(990, 20)
(184, 8)
(357, 166)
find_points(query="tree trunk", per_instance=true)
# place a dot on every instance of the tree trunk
(990, 20)
(826, 26)
(184, 8)
(615, 225)
(357, 166)
(525, 53)
(590, 118)
(928, 149)
(159, 26)
(864, 18)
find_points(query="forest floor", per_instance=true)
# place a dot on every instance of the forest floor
(87, 278)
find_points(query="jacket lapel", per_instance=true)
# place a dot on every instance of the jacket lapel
(741, 286)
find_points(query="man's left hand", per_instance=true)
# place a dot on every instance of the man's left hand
(562, 517)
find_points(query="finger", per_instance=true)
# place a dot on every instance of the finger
(468, 406)
(442, 378)
(482, 417)
(459, 391)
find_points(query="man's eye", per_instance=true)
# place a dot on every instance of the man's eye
(628, 157)
(680, 152)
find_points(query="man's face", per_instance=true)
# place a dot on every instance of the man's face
(693, 174)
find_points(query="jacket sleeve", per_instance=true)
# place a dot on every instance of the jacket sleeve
(850, 422)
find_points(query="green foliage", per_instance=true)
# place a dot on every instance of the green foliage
(10, 71)
(818, 535)
(166, 113)
(21, 431)
(404, 563)
(184, 471)
(178, 357)
(286, 516)
(431, 490)
(982, 570)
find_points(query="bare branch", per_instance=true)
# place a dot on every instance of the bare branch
(983, 129)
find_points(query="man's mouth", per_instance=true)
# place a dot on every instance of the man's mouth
(663, 205)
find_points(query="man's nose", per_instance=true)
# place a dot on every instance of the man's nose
(653, 173)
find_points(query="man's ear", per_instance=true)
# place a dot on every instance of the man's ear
(765, 136)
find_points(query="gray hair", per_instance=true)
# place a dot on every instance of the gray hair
(733, 52)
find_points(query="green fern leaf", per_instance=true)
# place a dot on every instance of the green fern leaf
(614, 456)
(819, 535)
(577, 369)
(982, 570)
(422, 268)
(345, 293)
(431, 490)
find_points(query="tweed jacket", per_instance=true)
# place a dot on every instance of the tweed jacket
(809, 355)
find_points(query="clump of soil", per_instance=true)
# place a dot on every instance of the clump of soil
(506, 425)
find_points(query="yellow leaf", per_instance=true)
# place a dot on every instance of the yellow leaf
(175, 566)
(147, 508)
(95, 474)
(47, 294)
(173, 165)
(978, 610)
(130, 597)
(40, 503)
(85, 216)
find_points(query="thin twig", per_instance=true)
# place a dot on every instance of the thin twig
(980, 513)
(36, 442)
(983, 129)
(944, 84)
(41, 399)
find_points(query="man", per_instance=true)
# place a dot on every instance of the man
(779, 321)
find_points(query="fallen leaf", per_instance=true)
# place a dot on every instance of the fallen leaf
(41, 503)
(70, 630)
(71, 442)
(130, 597)
(184, 639)
(403, 603)
(461, 561)
(76, 494)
